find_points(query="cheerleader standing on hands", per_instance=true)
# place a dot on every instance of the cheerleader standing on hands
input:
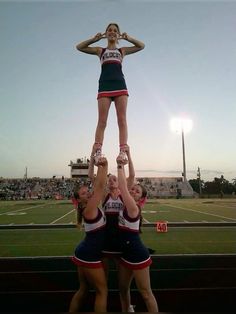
(112, 85)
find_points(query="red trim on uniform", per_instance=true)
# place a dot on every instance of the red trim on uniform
(128, 229)
(78, 262)
(135, 266)
(111, 61)
(112, 93)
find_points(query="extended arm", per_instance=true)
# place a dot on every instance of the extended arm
(91, 170)
(131, 177)
(90, 211)
(92, 164)
(127, 198)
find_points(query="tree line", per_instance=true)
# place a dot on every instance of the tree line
(218, 186)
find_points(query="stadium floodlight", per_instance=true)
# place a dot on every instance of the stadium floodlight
(182, 126)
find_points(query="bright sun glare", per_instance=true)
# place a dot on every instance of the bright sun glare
(179, 124)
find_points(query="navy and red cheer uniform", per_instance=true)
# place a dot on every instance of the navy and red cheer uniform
(135, 255)
(111, 208)
(111, 81)
(88, 252)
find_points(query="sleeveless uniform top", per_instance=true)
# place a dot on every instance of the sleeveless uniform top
(89, 251)
(112, 208)
(127, 223)
(134, 253)
(91, 225)
(111, 60)
(111, 81)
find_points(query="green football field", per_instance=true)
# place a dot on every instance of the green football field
(51, 241)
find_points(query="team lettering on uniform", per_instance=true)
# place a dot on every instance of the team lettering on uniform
(114, 205)
(111, 55)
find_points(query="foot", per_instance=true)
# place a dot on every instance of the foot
(131, 309)
(123, 156)
(97, 156)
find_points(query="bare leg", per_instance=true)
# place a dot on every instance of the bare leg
(97, 278)
(142, 280)
(103, 110)
(121, 108)
(105, 262)
(125, 277)
(78, 298)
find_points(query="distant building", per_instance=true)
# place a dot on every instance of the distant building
(79, 168)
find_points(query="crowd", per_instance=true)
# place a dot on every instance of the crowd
(37, 188)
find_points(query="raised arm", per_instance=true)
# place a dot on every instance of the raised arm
(92, 163)
(138, 45)
(130, 179)
(91, 209)
(128, 200)
(84, 45)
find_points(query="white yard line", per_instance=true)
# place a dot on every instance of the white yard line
(198, 211)
(53, 222)
(26, 208)
(145, 220)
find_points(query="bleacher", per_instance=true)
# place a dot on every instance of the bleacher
(181, 283)
(39, 188)
(163, 187)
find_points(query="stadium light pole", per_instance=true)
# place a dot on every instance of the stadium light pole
(182, 126)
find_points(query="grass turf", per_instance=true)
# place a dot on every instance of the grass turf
(61, 242)
(50, 242)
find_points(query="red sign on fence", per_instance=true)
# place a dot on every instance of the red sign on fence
(161, 226)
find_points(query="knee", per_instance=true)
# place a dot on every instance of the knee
(122, 121)
(102, 123)
(146, 294)
(101, 290)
